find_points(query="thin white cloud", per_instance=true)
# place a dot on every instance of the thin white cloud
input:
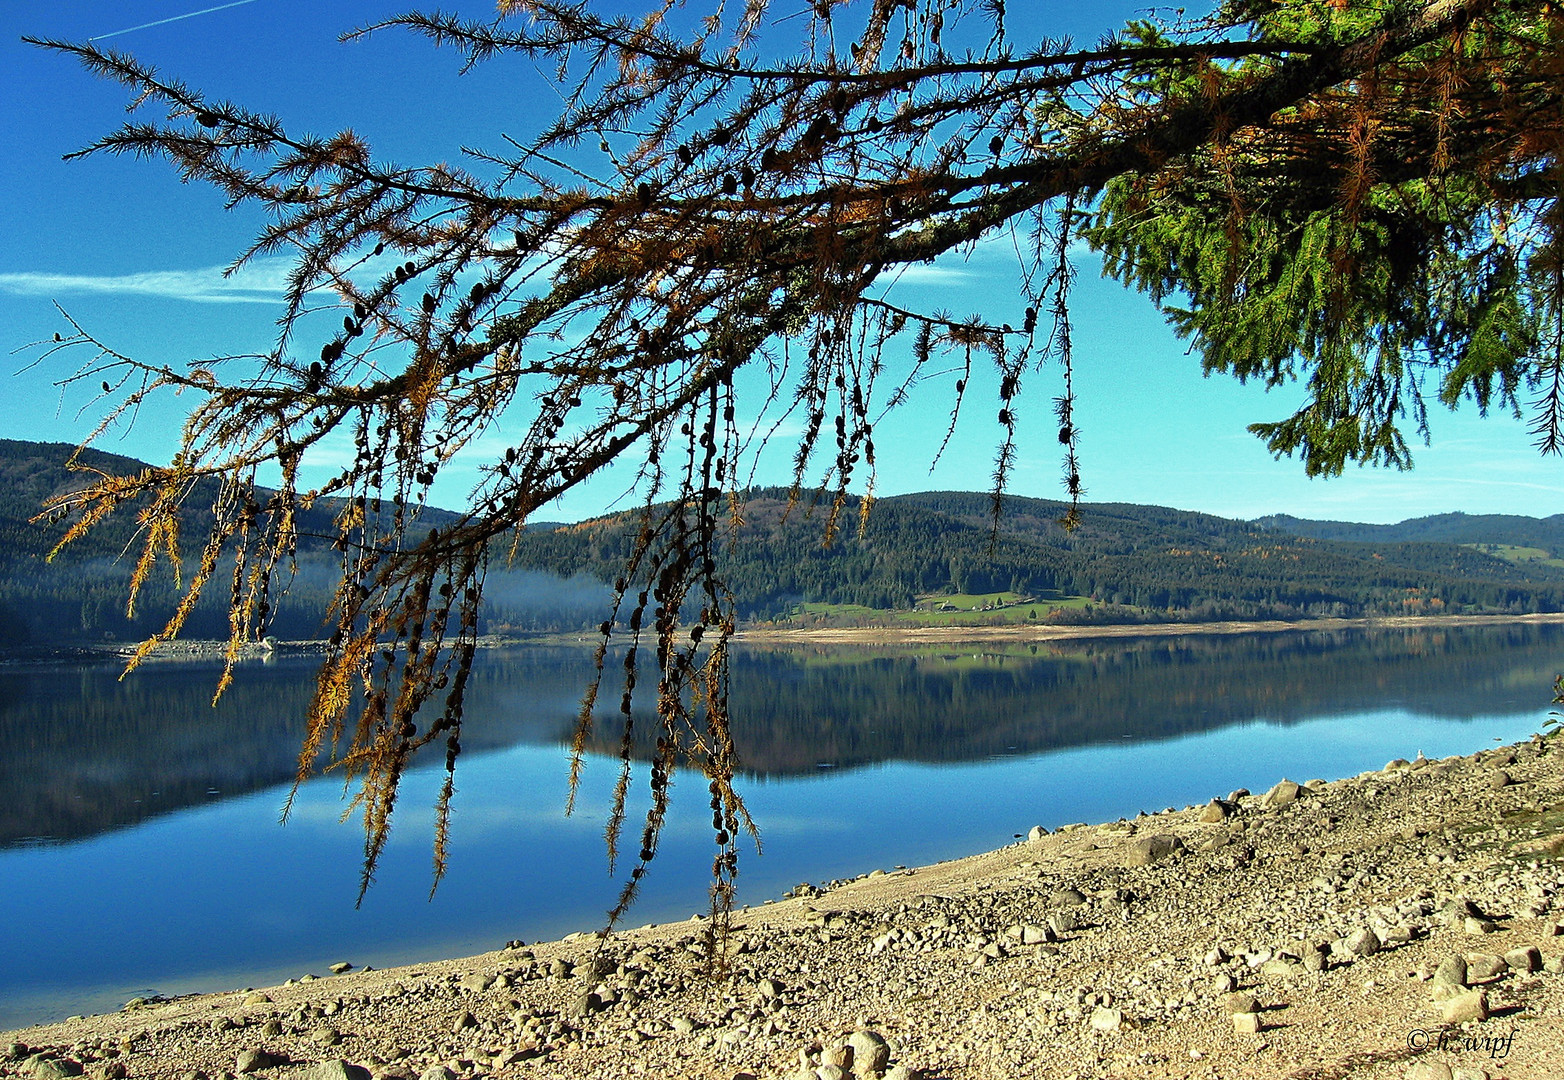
(173, 19)
(262, 282)
(935, 274)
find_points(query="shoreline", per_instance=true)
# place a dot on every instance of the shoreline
(208, 649)
(1121, 949)
(1024, 633)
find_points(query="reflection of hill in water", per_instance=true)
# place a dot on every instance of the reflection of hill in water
(82, 753)
(795, 708)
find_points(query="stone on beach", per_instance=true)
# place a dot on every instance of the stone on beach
(336, 1070)
(1285, 792)
(1152, 849)
(1472, 1005)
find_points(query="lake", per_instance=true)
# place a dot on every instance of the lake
(140, 849)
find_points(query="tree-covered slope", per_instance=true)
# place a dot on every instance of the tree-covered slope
(80, 597)
(1128, 561)
(1157, 560)
(1509, 529)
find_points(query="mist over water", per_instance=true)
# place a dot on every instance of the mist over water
(140, 850)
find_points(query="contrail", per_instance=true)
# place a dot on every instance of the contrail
(176, 18)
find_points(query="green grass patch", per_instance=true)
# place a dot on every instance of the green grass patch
(968, 601)
(1513, 553)
(959, 609)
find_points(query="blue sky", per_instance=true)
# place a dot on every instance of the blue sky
(135, 257)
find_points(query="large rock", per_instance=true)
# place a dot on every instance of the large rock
(1283, 793)
(1104, 1019)
(1472, 1005)
(1215, 812)
(336, 1070)
(40, 1067)
(1484, 967)
(1152, 849)
(1525, 959)
(1451, 971)
(1063, 922)
(1457, 911)
(252, 1060)
(870, 1052)
(1364, 942)
(1242, 1002)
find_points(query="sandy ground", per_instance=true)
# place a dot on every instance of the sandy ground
(1403, 923)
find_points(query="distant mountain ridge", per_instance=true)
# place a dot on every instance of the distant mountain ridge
(1453, 528)
(1124, 563)
(1127, 561)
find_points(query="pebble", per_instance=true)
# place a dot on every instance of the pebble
(1246, 1023)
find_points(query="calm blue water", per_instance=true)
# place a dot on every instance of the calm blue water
(140, 850)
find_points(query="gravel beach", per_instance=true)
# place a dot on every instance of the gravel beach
(1402, 923)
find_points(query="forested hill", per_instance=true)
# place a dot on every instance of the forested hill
(1506, 529)
(921, 558)
(80, 597)
(1123, 562)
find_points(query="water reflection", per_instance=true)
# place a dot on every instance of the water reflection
(938, 753)
(83, 753)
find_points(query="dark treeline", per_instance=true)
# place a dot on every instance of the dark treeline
(1157, 561)
(1546, 533)
(80, 598)
(1131, 562)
